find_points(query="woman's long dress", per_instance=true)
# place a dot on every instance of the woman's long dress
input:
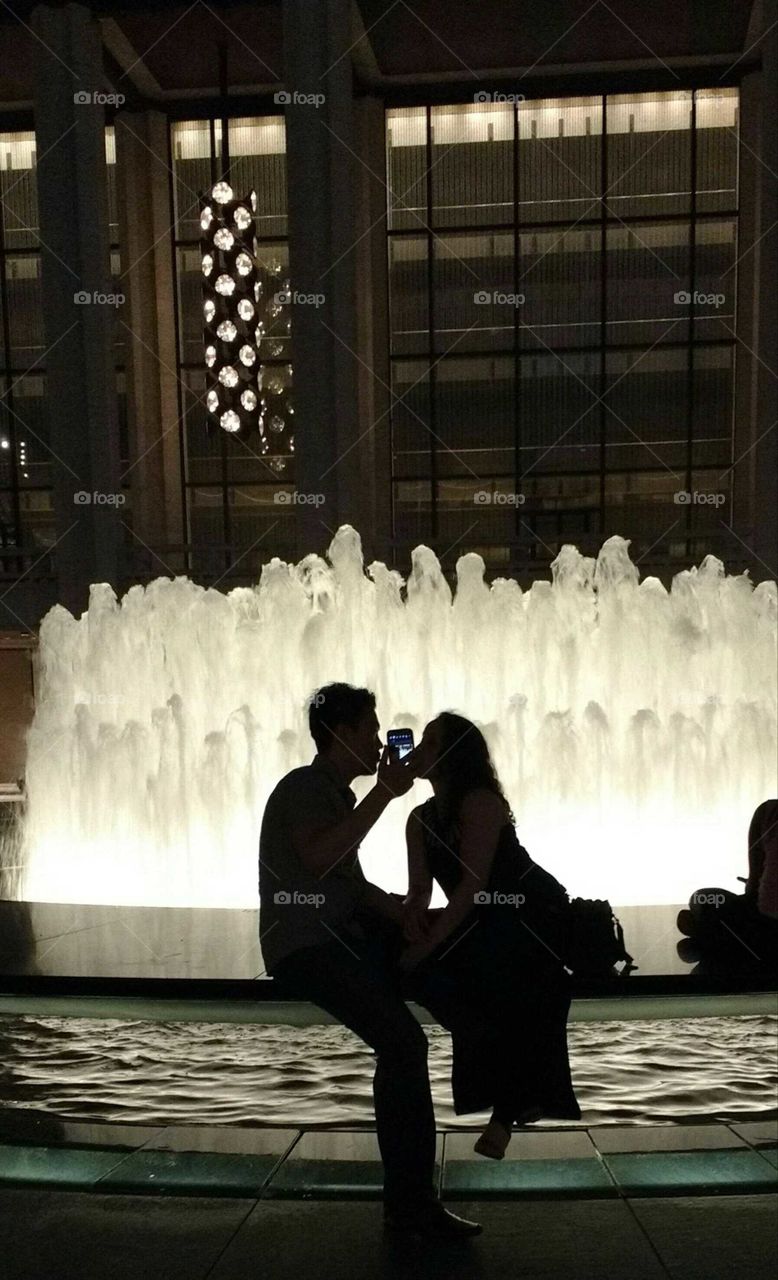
(503, 963)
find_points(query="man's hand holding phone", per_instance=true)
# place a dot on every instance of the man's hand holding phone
(394, 775)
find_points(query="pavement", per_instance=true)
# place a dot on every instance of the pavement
(134, 1202)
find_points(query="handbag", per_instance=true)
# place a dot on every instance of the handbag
(583, 932)
(593, 938)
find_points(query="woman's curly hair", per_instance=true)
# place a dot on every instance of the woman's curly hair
(464, 763)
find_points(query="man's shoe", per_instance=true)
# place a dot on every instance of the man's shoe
(431, 1220)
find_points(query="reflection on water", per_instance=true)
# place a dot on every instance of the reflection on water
(227, 1073)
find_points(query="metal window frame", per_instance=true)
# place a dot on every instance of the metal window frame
(11, 373)
(602, 221)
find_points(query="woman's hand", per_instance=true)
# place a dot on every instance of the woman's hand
(415, 920)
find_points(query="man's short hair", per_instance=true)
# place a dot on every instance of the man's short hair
(336, 704)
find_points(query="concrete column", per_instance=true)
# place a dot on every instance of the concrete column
(766, 448)
(373, 375)
(746, 366)
(16, 702)
(755, 477)
(142, 177)
(321, 167)
(79, 358)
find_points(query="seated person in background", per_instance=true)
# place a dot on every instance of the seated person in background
(720, 920)
(762, 882)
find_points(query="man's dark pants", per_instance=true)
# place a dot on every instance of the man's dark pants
(356, 981)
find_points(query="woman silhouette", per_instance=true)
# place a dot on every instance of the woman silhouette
(495, 948)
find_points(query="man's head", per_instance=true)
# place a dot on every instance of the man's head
(344, 726)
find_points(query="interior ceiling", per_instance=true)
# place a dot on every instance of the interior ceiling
(184, 57)
(170, 49)
(429, 36)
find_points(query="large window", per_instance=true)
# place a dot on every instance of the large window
(562, 297)
(120, 332)
(26, 516)
(27, 520)
(231, 485)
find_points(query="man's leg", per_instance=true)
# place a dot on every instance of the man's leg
(365, 999)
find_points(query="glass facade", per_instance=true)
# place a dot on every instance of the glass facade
(26, 517)
(562, 317)
(26, 466)
(230, 485)
(562, 283)
(120, 332)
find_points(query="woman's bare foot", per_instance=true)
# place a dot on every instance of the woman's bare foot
(493, 1141)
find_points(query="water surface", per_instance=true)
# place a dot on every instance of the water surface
(240, 1074)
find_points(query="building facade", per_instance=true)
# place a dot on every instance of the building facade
(502, 310)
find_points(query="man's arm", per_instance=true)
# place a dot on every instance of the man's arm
(321, 848)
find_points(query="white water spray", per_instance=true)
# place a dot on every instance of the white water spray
(634, 729)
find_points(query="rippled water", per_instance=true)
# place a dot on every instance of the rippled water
(231, 1073)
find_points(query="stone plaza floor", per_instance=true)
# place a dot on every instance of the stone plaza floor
(127, 1201)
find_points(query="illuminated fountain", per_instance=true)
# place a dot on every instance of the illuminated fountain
(634, 729)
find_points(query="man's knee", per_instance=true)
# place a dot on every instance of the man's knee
(404, 1047)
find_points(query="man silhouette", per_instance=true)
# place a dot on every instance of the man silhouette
(331, 936)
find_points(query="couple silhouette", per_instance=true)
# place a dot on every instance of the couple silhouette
(487, 966)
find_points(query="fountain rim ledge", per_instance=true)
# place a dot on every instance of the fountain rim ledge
(277, 1009)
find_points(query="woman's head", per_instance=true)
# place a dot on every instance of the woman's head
(454, 756)
(762, 841)
(763, 829)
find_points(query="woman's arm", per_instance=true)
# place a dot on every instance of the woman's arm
(482, 818)
(419, 877)
(419, 880)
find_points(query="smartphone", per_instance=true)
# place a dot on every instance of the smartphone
(401, 741)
